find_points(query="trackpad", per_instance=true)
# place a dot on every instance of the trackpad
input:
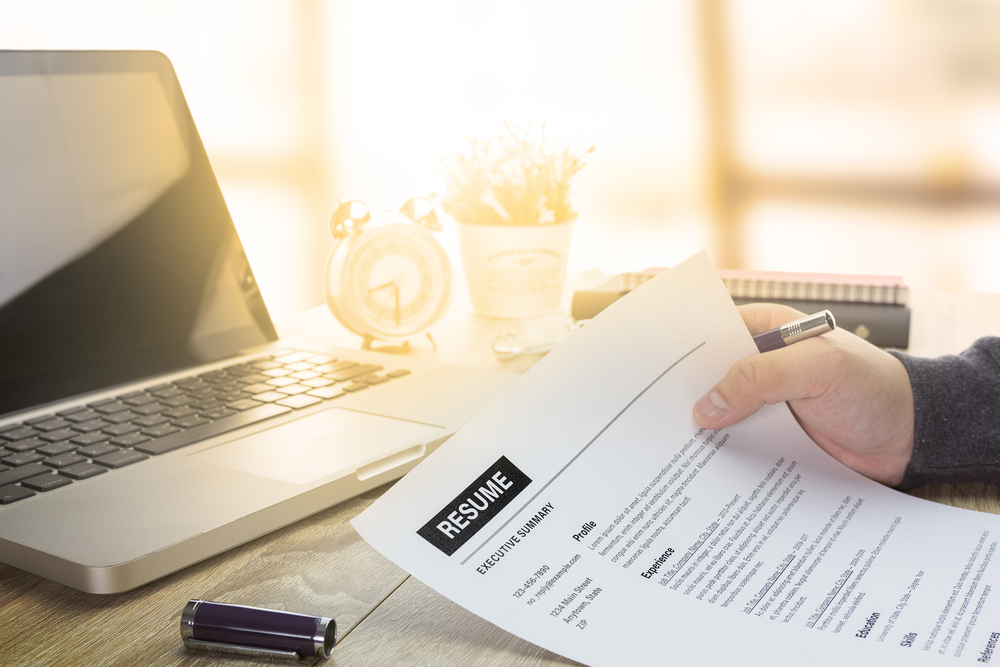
(334, 442)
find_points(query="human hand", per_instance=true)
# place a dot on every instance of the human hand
(853, 399)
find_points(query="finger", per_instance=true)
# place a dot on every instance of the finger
(763, 379)
(760, 317)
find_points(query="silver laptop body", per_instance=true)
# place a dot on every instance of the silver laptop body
(133, 338)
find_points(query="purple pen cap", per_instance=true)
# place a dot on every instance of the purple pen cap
(232, 628)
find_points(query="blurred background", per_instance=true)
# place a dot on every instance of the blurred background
(832, 135)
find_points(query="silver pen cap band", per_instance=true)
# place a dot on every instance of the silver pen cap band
(187, 619)
(807, 327)
(325, 637)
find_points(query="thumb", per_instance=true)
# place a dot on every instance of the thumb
(751, 383)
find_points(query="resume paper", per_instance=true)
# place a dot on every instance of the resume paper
(586, 512)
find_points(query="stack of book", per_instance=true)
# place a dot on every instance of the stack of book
(873, 307)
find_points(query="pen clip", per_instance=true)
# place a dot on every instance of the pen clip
(239, 650)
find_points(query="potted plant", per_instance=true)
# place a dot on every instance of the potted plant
(509, 196)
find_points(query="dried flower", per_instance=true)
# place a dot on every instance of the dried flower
(510, 179)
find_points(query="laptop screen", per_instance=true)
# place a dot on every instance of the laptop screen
(118, 257)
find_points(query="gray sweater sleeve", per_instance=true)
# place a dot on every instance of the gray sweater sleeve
(956, 402)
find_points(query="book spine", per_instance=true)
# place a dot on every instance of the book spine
(880, 324)
(807, 290)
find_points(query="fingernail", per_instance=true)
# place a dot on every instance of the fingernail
(711, 407)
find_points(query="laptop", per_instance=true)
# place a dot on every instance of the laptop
(149, 416)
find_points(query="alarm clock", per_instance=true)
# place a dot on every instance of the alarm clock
(387, 278)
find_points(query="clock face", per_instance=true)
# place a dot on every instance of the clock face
(391, 282)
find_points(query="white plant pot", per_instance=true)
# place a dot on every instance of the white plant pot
(515, 271)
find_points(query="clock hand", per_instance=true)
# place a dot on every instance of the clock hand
(397, 303)
(391, 283)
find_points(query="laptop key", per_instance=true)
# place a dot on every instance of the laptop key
(299, 401)
(60, 434)
(168, 392)
(241, 369)
(190, 421)
(100, 449)
(160, 430)
(18, 474)
(244, 404)
(91, 425)
(90, 438)
(46, 482)
(208, 404)
(269, 396)
(149, 408)
(38, 420)
(300, 366)
(129, 439)
(19, 433)
(120, 459)
(109, 406)
(11, 494)
(177, 413)
(82, 470)
(326, 393)
(63, 460)
(178, 401)
(81, 415)
(294, 389)
(24, 445)
(218, 412)
(123, 416)
(200, 393)
(184, 438)
(139, 398)
(150, 420)
(22, 458)
(53, 424)
(398, 374)
(56, 448)
(266, 365)
(122, 429)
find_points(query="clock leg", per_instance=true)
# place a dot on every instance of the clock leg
(431, 340)
(367, 343)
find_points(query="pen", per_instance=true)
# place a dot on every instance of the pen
(231, 628)
(816, 324)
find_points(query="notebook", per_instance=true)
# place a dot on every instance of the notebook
(149, 416)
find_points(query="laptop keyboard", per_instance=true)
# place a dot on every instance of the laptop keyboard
(55, 450)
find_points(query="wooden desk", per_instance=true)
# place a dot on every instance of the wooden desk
(320, 565)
